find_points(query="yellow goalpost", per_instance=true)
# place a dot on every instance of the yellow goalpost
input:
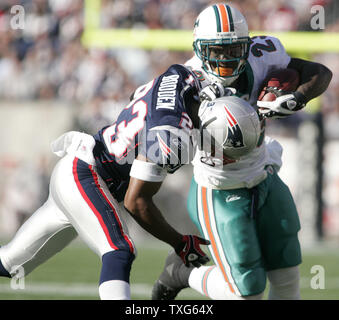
(181, 40)
(300, 44)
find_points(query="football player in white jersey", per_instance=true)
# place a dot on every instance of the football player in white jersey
(242, 207)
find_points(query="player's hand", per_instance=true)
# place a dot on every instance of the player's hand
(215, 90)
(190, 252)
(285, 104)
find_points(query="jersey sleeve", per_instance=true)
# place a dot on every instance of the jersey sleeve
(168, 147)
(166, 139)
(270, 51)
(281, 59)
(171, 94)
(147, 171)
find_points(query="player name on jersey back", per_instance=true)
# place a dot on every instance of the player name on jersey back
(167, 92)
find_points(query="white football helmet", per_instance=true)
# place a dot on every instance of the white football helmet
(230, 127)
(221, 42)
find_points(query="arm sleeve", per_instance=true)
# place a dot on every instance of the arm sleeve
(166, 139)
(147, 171)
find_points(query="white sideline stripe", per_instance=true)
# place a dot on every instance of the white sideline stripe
(64, 289)
(80, 289)
(140, 289)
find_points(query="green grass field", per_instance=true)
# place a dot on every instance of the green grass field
(73, 275)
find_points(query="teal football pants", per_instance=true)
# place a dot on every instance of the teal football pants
(251, 230)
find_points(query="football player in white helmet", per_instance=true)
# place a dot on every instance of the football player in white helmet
(242, 207)
(229, 126)
(222, 57)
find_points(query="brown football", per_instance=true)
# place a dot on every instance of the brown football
(284, 79)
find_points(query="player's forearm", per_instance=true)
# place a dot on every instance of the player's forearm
(149, 217)
(315, 83)
(314, 78)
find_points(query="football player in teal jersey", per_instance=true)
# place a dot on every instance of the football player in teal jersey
(242, 206)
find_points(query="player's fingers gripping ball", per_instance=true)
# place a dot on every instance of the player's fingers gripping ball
(190, 252)
(278, 98)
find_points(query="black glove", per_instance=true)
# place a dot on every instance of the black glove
(189, 251)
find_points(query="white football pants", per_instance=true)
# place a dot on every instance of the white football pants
(79, 203)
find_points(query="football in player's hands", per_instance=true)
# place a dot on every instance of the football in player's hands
(283, 80)
(278, 83)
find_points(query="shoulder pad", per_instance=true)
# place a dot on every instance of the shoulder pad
(186, 74)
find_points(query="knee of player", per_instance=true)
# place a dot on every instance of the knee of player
(252, 282)
(116, 265)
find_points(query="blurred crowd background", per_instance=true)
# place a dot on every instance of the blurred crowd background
(46, 62)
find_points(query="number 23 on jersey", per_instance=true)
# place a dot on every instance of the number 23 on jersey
(120, 136)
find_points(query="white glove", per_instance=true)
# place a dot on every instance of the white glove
(215, 90)
(282, 106)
